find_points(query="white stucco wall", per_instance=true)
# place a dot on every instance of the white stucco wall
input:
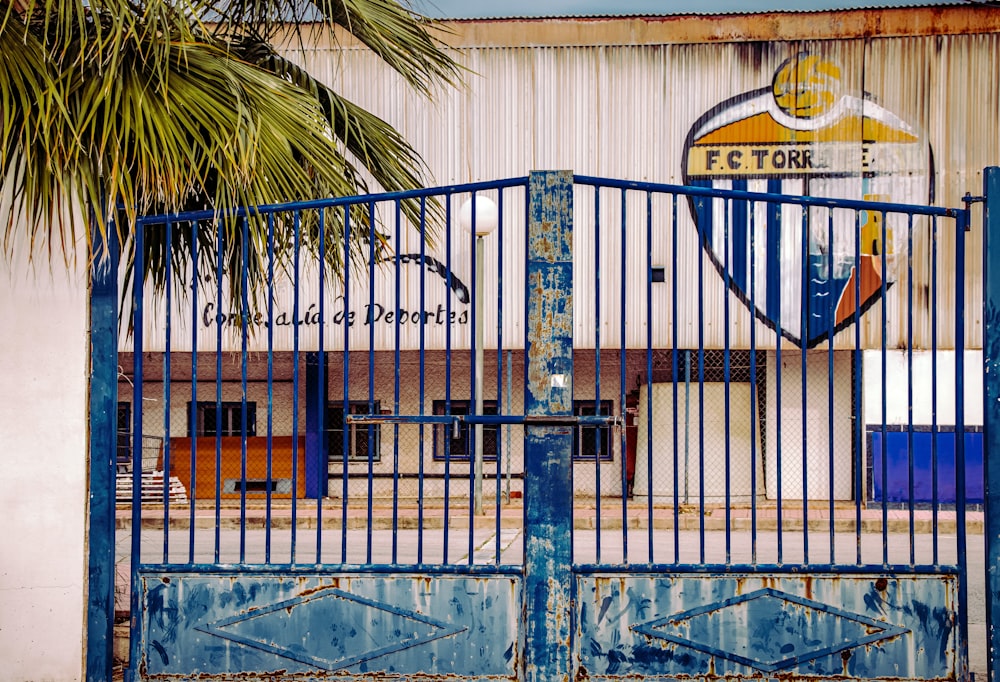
(934, 387)
(43, 460)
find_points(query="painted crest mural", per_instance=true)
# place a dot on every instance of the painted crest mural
(805, 135)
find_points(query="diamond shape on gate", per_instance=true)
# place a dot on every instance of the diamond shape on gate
(769, 630)
(331, 629)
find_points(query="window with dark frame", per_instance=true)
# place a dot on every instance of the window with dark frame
(222, 419)
(359, 436)
(589, 442)
(123, 454)
(456, 443)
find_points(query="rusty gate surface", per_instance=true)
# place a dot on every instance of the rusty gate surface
(550, 428)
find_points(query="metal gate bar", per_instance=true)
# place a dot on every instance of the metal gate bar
(102, 456)
(317, 212)
(991, 410)
(752, 206)
(791, 528)
(638, 542)
(226, 418)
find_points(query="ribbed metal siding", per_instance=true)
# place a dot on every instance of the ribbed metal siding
(624, 112)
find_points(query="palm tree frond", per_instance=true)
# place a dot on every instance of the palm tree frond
(397, 35)
(378, 147)
(123, 109)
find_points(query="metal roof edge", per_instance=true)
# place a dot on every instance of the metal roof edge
(916, 4)
(934, 19)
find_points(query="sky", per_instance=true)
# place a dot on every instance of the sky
(477, 9)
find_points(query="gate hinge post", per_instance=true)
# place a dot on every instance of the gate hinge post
(991, 410)
(103, 435)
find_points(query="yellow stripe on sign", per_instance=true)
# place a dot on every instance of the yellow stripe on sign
(763, 129)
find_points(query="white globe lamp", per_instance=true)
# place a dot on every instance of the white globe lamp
(485, 220)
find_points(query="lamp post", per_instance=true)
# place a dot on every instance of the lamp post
(479, 215)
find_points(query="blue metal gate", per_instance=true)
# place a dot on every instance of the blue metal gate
(549, 428)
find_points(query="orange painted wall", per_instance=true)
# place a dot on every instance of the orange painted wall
(231, 465)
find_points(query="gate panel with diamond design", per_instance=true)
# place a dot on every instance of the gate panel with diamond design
(742, 626)
(310, 623)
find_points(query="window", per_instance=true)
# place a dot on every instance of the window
(359, 436)
(222, 419)
(123, 458)
(589, 442)
(456, 444)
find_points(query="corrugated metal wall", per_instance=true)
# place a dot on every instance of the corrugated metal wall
(625, 111)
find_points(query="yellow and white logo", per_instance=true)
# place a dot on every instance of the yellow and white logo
(806, 134)
(802, 126)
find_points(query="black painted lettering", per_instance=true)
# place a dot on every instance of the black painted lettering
(308, 314)
(374, 313)
(866, 157)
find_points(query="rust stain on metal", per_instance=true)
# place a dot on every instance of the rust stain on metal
(681, 29)
(845, 657)
(545, 347)
(313, 590)
(282, 676)
(544, 248)
(770, 677)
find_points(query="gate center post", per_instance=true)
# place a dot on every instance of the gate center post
(548, 504)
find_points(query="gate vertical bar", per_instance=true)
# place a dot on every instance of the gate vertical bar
(991, 410)
(548, 506)
(962, 226)
(138, 280)
(103, 453)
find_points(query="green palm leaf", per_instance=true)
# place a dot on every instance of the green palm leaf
(124, 109)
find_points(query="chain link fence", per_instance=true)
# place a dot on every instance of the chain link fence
(718, 428)
(780, 426)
